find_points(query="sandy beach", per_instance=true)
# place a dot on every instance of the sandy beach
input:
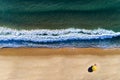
(59, 64)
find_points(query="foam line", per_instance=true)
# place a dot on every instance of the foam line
(22, 37)
(45, 35)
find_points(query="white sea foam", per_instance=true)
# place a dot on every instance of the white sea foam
(46, 35)
(40, 38)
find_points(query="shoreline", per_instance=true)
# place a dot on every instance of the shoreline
(58, 51)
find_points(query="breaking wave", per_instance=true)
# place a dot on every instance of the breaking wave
(70, 37)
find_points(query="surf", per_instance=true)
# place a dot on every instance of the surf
(54, 38)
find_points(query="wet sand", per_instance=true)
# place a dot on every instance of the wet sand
(59, 64)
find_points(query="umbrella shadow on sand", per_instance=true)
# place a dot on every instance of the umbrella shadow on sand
(90, 69)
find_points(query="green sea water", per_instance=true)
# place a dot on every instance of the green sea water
(60, 14)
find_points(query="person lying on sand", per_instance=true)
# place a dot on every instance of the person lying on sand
(94, 67)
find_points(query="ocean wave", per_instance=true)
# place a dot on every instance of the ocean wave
(45, 37)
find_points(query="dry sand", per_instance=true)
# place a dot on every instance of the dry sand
(59, 64)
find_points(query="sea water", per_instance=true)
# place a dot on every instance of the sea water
(60, 23)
